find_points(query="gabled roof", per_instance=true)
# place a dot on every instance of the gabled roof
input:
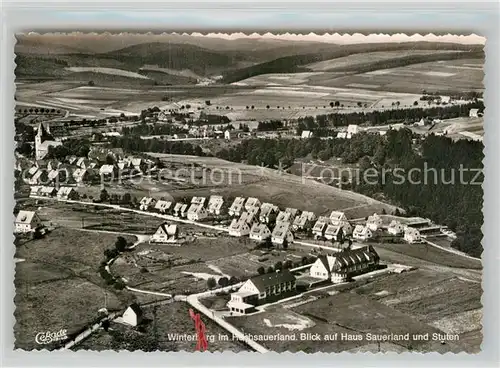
(25, 217)
(333, 229)
(198, 200)
(261, 282)
(195, 208)
(283, 216)
(281, 229)
(163, 205)
(178, 206)
(336, 215)
(258, 229)
(252, 202)
(170, 230)
(136, 309)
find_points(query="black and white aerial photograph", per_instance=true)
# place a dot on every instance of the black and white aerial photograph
(248, 192)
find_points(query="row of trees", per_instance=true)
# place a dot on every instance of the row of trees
(136, 144)
(393, 116)
(119, 247)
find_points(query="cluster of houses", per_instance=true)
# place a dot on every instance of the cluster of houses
(266, 222)
(64, 192)
(336, 268)
(80, 171)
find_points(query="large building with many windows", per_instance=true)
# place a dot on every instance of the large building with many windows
(343, 265)
(262, 289)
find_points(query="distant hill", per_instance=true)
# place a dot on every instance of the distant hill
(297, 63)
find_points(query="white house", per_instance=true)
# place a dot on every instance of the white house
(395, 228)
(283, 217)
(184, 209)
(81, 175)
(301, 221)
(107, 170)
(66, 193)
(237, 207)
(342, 135)
(337, 216)
(306, 134)
(133, 315)
(35, 190)
(196, 212)
(48, 191)
(177, 209)
(146, 203)
(227, 135)
(198, 200)
(239, 228)
(412, 235)
(266, 210)
(320, 226)
(374, 222)
(215, 204)
(165, 234)
(281, 232)
(27, 221)
(248, 217)
(261, 289)
(342, 265)
(163, 206)
(36, 178)
(474, 113)
(334, 232)
(292, 211)
(252, 202)
(353, 129)
(259, 232)
(362, 233)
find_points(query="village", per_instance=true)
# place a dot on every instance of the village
(233, 201)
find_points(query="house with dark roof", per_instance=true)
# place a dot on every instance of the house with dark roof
(166, 233)
(340, 266)
(262, 289)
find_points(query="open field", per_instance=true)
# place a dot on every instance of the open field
(284, 190)
(449, 75)
(171, 319)
(184, 269)
(57, 284)
(367, 57)
(432, 254)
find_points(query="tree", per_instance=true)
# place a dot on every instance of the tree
(104, 196)
(120, 244)
(278, 265)
(332, 104)
(261, 270)
(211, 283)
(208, 103)
(119, 284)
(267, 107)
(304, 260)
(415, 103)
(223, 281)
(288, 264)
(233, 280)
(285, 243)
(270, 269)
(337, 103)
(91, 83)
(126, 198)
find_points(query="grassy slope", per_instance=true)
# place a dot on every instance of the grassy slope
(296, 63)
